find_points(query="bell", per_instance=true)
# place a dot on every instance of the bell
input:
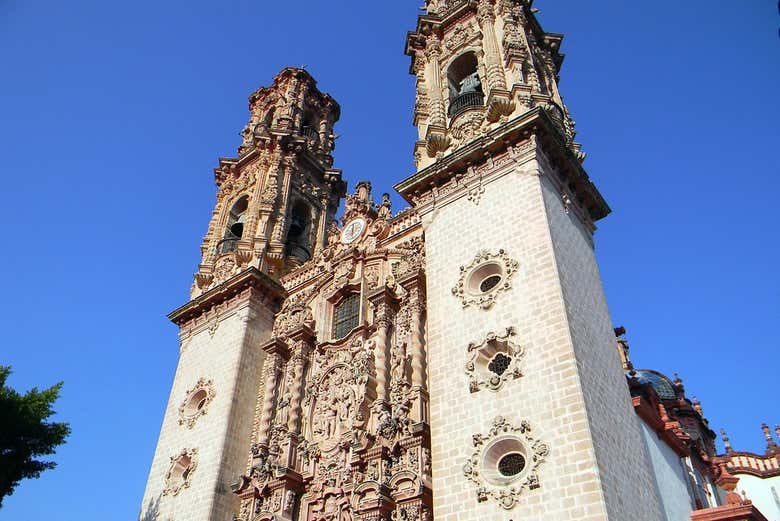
(237, 229)
(297, 226)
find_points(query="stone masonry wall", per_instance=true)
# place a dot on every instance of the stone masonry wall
(626, 472)
(233, 360)
(511, 215)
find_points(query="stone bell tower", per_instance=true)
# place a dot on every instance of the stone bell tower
(530, 414)
(274, 202)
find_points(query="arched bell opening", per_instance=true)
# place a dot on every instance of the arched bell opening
(309, 126)
(465, 85)
(234, 229)
(261, 129)
(297, 246)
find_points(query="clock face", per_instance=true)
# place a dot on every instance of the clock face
(353, 230)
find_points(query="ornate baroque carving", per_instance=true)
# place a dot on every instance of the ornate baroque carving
(179, 475)
(468, 288)
(493, 361)
(484, 467)
(196, 403)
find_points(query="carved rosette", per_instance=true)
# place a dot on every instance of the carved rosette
(295, 313)
(179, 475)
(488, 469)
(493, 361)
(196, 403)
(467, 127)
(485, 264)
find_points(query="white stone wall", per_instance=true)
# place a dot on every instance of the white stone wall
(620, 450)
(512, 215)
(233, 360)
(670, 476)
(759, 491)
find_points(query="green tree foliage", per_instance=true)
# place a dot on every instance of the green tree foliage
(25, 434)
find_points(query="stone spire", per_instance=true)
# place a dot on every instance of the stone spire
(480, 64)
(771, 445)
(726, 441)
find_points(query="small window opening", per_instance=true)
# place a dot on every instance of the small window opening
(234, 230)
(309, 127)
(511, 465)
(261, 128)
(499, 364)
(464, 84)
(489, 283)
(346, 316)
(297, 245)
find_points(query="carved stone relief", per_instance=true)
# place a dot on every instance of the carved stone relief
(196, 403)
(483, 279)
(505, 462)
(493, 361)
(179, 475)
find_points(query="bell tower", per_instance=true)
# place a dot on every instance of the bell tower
(277, 196)
(274, 202)
(530, 413)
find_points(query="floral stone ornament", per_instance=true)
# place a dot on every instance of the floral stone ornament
(196, 402)
(505, 462)
(493, 361)
(179, 474)
(484, 278)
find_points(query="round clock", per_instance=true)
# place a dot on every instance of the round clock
(353, 230)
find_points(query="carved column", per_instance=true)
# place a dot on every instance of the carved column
(303, 343)
(495, 72)
(415, 287)
(417, 308)
(275, 349)
(432, 52)
(384, 310)
(499, 101)
(436, 135)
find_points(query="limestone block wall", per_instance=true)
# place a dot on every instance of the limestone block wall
(229, 356)
(670, 476)
(624, 465)
(764, 493)
(512, 215)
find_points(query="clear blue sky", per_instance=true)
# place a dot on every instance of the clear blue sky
(113, 114)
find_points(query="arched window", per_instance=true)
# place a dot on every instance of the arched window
(297, 244)
(309, 127)
(464, 84)
(234, 230)
(261, 129)
(346, 316)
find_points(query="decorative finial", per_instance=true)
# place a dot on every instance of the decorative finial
(726, 441)
(771, 446)
(777, 430)
(697, 406)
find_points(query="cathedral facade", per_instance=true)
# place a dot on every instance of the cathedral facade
(453, 361)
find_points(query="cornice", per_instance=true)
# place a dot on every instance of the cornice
(271, 293)
(745, 512)
(536, 122)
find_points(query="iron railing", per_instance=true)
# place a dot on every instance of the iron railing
(299, 252)
(466, 101)
(310, 132)
(227, 245)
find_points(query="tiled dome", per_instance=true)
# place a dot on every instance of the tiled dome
(662, 385)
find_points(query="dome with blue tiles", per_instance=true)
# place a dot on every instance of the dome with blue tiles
(662, 384)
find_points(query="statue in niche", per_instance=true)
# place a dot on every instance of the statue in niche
(334, 235)
(336, 404)
(384, 212)
(398, 357)
(283, 408)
